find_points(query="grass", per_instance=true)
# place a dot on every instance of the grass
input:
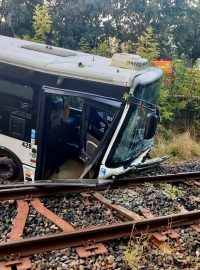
(179, 147)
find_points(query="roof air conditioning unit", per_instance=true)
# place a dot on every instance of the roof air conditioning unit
(129, 61)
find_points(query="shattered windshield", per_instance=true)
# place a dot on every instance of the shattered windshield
(130, 141)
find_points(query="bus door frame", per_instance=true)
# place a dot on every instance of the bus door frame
(101, 149)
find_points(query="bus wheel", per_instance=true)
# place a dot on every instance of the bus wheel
(8, 168)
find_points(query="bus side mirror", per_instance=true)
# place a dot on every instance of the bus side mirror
(151, 125)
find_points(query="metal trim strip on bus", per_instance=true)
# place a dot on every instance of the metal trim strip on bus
(98, 98)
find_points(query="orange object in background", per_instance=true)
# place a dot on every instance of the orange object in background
(165, 65)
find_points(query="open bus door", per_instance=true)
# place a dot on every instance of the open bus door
(75, 136)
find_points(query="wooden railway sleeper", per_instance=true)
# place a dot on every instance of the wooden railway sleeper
(16, 264)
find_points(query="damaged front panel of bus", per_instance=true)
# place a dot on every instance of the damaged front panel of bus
(130, 138)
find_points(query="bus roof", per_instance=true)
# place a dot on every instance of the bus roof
(63, 62)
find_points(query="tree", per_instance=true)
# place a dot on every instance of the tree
(164, 16)
(146, 46)
(75, 19)
(181, 93)
(42, 21)
(84, 46)
(188, 42)
(176, 23)
(115, 46)
(22, 11)
(128, 47)
(103, 50)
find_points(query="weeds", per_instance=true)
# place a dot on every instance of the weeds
(171, 192)
(148, 186)
(140, 250)
(134, 254)
(127, 198)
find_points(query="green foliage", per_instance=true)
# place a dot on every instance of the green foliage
(34, 39)
(148, 186)
(128, 47)
(115, 45)
(166, 105)
(127, 197)
(135, 253)
(174, 151)
(22, 11)
(133, 256)
(74, 102)
(186, 85)
(124, 20)
(84, 46)
(42, 21)
(172, 192)
(147, 47)
(103, 50)
(167, 134)
(176, 24)
(181, 92)
(188, 41)
(126, 96)
(73, 20)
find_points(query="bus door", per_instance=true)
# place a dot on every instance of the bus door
(78, 123)
(62, 131)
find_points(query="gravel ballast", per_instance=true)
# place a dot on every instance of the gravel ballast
(72, 209)
(7, 214)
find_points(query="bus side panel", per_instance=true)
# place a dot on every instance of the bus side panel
(25, 152)
(18, 134)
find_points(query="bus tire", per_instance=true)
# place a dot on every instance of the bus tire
(10, 168)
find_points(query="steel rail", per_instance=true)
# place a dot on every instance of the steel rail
(42, 188)
(179, 177)
(36, 192)
(27, 247)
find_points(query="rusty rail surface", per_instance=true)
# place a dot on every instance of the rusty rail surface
(42, 188)
(26, 247)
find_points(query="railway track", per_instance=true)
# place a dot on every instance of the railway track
(53, 187)
(90, 240)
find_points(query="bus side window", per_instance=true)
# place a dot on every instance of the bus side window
(74, 102)
(15, 109)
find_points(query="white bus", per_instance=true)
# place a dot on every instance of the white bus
(66, 114)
